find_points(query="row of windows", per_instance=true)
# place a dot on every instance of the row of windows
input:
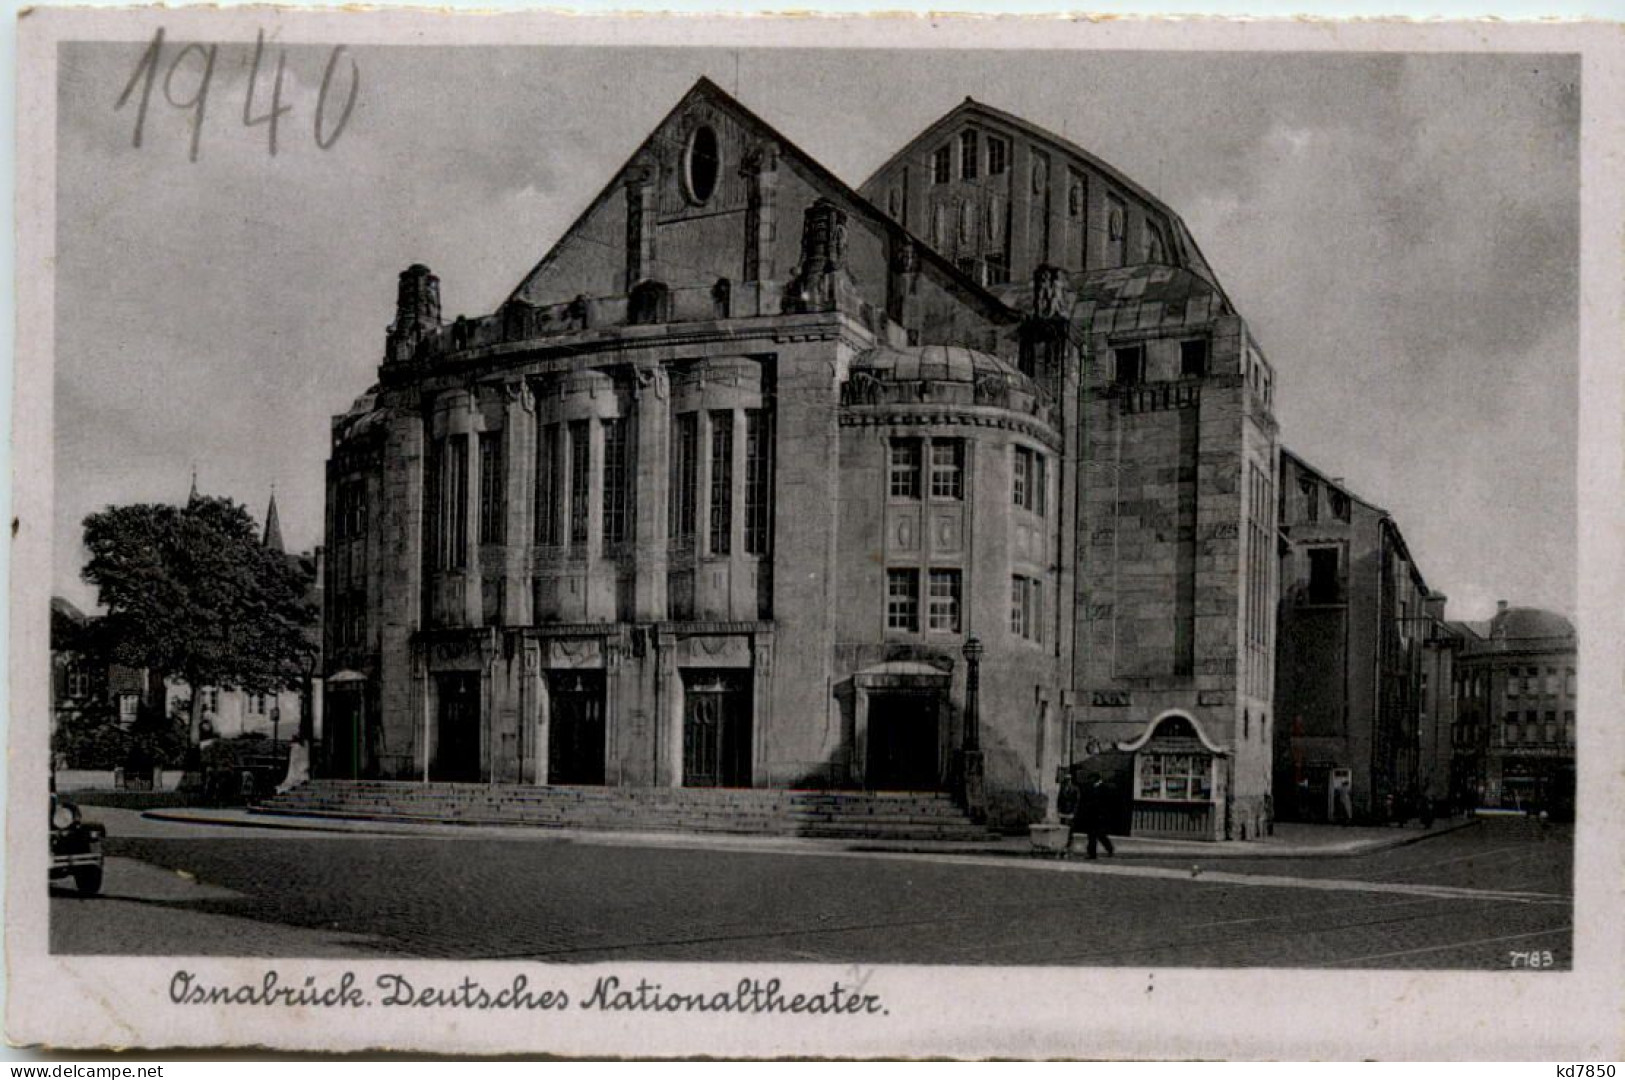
(683, 504)
(1128, 362)
(970, 157)
(1525, 682)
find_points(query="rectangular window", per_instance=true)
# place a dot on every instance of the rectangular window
(1569, 682)
(998, 156)
(1175, 777)
(1026, 608)
(1551, 682)
(996, 270)
(493, 489)
(1568, 727)
(685, 445)
(722, 481)
(549, 483)
(1193, 358)
(903, 600)
(969, 155)
(127, 704)
(943, 613)
(1511, 734)
(617, 483)
(948, 469)
(451, 534)
(1029, 480)
(757, 481)
(942, 165)
(1551, 727)
(904, 470)
(580, 478)
(1514, 683)
(1324, 573)
(1128, 365)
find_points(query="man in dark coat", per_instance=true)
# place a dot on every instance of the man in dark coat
(1090, 817)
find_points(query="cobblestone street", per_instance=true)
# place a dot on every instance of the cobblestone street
(1464, 900)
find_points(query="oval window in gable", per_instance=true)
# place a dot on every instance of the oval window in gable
(702, 164)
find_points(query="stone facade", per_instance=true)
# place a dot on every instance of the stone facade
(736, 482)
(1358, 629)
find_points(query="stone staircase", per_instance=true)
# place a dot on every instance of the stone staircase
(861, 815)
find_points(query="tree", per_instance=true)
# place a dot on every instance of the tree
(192, 594)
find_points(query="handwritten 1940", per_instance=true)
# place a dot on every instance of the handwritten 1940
(199, 72)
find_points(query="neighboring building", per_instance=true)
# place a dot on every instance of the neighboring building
(230, 713)
(1360, 656)
(1514, 739)
(723, 491)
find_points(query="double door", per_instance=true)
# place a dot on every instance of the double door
(716, 729)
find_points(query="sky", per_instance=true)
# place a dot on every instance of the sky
(1400, 231)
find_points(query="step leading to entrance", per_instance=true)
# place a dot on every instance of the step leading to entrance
(901, 815)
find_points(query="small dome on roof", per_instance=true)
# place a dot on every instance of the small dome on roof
(1523, 622)
(936, 363)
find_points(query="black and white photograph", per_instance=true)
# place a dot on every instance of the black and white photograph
(608, 534)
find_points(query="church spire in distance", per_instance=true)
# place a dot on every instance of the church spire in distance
(273, 527)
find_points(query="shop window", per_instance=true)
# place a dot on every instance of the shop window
(943, 601)
(1128, 365)
(948, 469)
(942, 165)
(903, 600)
(1174, 777)
(1193, 358)
(722, 481)
(904, 469)
(969, 155)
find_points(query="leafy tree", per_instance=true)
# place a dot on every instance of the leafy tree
(192, 594)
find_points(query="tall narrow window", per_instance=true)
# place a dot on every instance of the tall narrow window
(685, 436)
(493, 489)
(998, 156)
(1193, 358)
(969, 155)
(905, 469)
(948, 469)
(903, 600)
(617, 483)
(943, 611)
(1029, 480)
(757, 482)
(451, 503)
(580, 468)
(722, 481)
(549, 483)
(1026, 607)
(1325, 586)
(942, 165)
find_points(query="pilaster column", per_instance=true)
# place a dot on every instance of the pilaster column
(519, 454)
(652, 392)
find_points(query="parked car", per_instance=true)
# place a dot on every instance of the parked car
(76, 847)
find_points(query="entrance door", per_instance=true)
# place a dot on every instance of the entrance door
(716, 729)
(575, 728)
(904, 748)
(345, 756)
(457, 748)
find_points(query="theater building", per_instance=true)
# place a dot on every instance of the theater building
(743, 477)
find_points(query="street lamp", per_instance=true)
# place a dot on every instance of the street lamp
(307, 722)
(973, 692)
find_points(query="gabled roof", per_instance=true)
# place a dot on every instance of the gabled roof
(833, 186)
(1189, 250)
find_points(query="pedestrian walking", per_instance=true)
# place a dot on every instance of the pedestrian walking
(1090, 818)
(1066, 806)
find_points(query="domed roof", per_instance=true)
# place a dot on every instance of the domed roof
(936, 363)
(1523, 622)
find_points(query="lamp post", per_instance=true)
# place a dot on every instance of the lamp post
(973, 693)
(972, 789)
(307, 722)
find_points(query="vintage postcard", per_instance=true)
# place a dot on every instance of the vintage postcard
(823, 537)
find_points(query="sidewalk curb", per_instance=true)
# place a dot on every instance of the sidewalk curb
(1013, 848)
